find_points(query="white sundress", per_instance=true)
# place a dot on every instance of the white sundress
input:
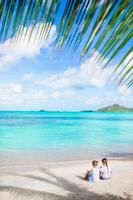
(106, 172)
(94, 175)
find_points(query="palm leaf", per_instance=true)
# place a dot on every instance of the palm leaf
(122, 12)
(105, 11)
(88, 19)
(130, 82)
(127, 72)
(127, 79)
(53, 9)
(89, 25)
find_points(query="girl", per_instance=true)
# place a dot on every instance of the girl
(105, 171)
(93, 174)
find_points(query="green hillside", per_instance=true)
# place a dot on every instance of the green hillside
(115, 108)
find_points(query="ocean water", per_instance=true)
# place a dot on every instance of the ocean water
(65, 130)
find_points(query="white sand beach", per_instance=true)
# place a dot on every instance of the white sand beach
(62, 181)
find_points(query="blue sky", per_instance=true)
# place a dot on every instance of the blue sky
(38, 77)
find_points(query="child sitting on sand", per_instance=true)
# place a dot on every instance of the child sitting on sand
(93, 174)
(105, 170)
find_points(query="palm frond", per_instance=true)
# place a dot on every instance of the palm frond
(103, 26)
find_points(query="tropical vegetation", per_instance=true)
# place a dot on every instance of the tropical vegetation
(88, 26)
(115, 108)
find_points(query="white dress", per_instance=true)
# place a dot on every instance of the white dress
(106, 172)
(94, 175)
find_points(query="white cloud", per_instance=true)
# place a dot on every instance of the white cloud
(10, 93)
(17, 96)
(11, 88)
(12, 52)
(28, 76)
(38, 95)
(124, 90)
(93, 101)
(128, 62)
(62, 94)
(114, 97)
(82, 77)
(56, 95)
(15, 88)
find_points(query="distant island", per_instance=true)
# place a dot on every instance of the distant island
(112, 108)
(42, 110)
(115, 108)
(87, 111)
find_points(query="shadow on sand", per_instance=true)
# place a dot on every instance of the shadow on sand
(75, 191)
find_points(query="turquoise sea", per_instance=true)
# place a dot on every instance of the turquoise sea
(65, 130)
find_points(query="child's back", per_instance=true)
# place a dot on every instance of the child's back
(94, 175)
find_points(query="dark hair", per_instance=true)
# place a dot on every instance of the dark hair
(105, 159)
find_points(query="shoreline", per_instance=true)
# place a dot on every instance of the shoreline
(27, 158)
(56, 164)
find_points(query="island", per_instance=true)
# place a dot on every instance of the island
(42, 110)
(115, 108)
(87, 111)
(111, 108)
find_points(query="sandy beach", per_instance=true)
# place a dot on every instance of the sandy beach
(62, 181)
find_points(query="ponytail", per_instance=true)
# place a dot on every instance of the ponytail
(104, 160)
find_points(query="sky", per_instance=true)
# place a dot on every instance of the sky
(35, 78)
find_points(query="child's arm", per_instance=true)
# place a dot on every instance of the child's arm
(87, 174)
(100, 172)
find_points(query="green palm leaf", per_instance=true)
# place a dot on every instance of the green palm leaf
(120, 12)
(89, 25)
(129, 70)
